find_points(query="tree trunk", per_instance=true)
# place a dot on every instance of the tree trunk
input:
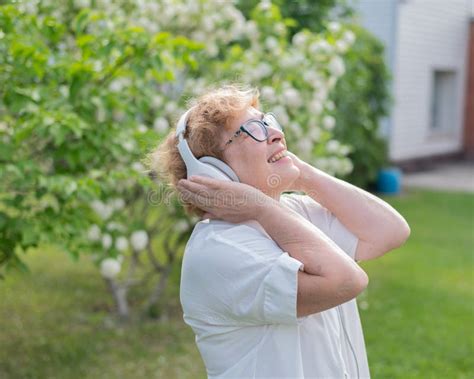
(119, 293)
(159, 288)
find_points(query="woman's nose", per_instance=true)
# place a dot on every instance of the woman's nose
(275, 135)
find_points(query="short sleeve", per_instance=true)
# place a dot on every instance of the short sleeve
(334, 228)
(251, 283)
(326, 221)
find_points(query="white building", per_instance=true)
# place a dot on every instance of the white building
(426, 45)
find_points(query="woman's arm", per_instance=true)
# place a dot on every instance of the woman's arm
(379, 227)
(334, 277)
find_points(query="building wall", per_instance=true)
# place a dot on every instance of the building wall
(380, 18)
(469, 104)
(431, 34)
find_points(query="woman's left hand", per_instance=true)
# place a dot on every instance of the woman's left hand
(299, 183)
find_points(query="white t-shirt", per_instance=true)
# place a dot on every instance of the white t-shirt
(238, 292)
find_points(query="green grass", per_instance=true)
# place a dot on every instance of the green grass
(55, 323)
(420, 314)
(417, 312)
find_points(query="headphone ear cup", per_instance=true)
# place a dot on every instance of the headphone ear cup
(221, 166)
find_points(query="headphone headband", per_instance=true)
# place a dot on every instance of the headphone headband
(182, 123)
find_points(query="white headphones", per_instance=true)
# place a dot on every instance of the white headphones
(205, 166)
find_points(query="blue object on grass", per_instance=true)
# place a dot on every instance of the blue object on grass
(389, 180)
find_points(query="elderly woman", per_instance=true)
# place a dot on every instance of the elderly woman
(269, 280)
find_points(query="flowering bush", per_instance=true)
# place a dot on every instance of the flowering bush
(86, 92)
(76, 110)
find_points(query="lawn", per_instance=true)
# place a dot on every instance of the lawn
(417, 311)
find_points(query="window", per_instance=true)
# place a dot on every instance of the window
(443, 101)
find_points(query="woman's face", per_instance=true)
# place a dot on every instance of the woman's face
(251, 159)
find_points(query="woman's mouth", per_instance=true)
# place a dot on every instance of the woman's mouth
(277, 157)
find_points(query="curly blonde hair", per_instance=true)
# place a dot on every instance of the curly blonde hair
(213, 112)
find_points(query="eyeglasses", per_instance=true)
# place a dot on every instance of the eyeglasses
(257, 129)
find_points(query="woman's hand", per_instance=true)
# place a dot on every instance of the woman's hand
(299, 183)
(225, 200)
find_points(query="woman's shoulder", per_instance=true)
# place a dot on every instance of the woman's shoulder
(213, 240)
(212, 230)
(295, 201)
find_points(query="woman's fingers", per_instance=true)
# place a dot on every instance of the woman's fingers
(195, 198)
(208, 182)
(200, 199)
(191, 185)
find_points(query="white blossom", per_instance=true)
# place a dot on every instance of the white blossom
(321, 163)
(334, 26)
(170, 107)
(296, 127)
(304, 146)
(137, 166)
(106, 241)
(199, 35)
(139, 240)
(110, 268)
(344, 150)
(332, 146)
(117, 203)
(93, 234)
(321, 93)
(161, 124)
(263, 70)
(334, 164)
(311, 77)
(332, 82)
(271, 43)
(121, 243)
(280, 28)
(292, 97)
(251, 29)
(265, 5)
(128, 145)
(64, 90)
(346, 166)
(336, 66)
(212, 49)
(349, 37)
(111, 226)
(181, 226)
(119, 84)
(341, 46)
(142, 128)
(286, 61)
(315, 133)
(329, 122)
(319, 46)
(157, 101)
(315, 106)
(268, 93)
(103, 210)
(299, 39)
(97, 65)
(82, 3)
